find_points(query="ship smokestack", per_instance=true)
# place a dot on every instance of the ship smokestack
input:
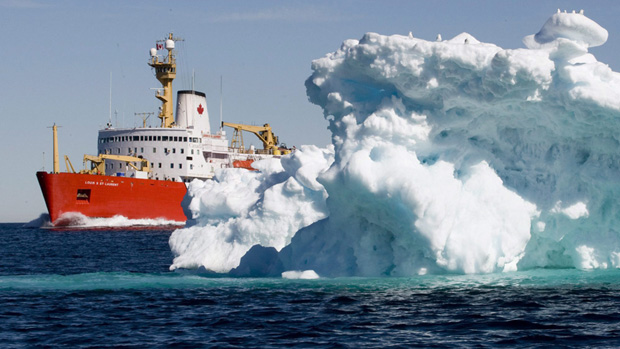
(192, 111)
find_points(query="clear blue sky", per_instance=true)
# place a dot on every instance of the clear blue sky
(58, 57)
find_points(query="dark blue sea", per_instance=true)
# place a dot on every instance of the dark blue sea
(112, 288)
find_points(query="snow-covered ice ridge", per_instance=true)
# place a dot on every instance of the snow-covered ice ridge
(448, 156)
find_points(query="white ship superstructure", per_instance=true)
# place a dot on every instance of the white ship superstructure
(182, 149)
(182, 152)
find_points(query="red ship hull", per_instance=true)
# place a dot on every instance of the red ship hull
(108, 196)
(246, 164)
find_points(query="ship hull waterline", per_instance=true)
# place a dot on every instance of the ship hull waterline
(100, 196)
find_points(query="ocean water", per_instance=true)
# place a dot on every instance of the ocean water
(112, 288)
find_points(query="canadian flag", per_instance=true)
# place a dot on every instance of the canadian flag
(159, 46)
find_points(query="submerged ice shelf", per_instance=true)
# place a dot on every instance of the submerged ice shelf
(448, 156)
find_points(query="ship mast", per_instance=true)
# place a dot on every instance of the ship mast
(165, 71)
(56, 163)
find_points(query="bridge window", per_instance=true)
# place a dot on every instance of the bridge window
(209, 155)
(171, 165)
(180, 165)
(154, 150)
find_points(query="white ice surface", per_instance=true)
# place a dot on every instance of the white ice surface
(242, 208)
(448, 156)
(302, 275)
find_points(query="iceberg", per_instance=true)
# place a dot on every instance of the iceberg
(447, 156)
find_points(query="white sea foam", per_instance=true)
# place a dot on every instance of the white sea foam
(76, 219)
(43, 221)
(448, 156)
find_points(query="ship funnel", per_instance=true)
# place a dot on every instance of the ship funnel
(192, 111)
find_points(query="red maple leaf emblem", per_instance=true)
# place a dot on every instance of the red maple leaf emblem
(200, 109)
